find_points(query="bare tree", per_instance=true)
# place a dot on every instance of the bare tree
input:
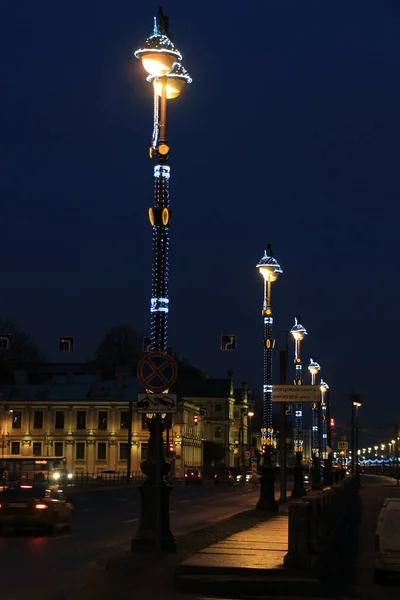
(120, 346)
(17, 347)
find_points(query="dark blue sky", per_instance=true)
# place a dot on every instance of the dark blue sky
(288, 135)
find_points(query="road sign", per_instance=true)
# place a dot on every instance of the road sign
(296, 393)
(203, 412)
(156, 403)
(146, 343)
(247, 453)
(157, 371)
(5, 341)
(343, 445)
(66, 344)
(228, 342)
(254, 459)
(328, 449)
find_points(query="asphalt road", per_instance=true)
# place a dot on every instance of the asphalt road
(106, 521)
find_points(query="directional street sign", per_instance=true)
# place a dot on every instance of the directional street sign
(228, 342)
(157, 371)
(66, 344)
(156, 403)
(296, 393)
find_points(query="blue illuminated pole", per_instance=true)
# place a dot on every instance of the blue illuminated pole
(270, 270)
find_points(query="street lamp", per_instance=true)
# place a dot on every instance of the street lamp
(356, 405)
(270, 271)
(161, 60)
(298, 332)
(324, 387)
(314, 368)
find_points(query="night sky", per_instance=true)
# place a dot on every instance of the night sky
(289, 135)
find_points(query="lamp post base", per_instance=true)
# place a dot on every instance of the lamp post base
(327, 476)
(316, 477)
(147, 536)
(267, 500)
(298, 489)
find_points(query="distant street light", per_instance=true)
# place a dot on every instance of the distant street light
(314, 369)
(298, 332)
(270, 270)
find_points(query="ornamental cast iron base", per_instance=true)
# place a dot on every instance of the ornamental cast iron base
(154, 533)
(298, 488)
(146, 535)
(267, 500)
(327, 476)
(316, 476)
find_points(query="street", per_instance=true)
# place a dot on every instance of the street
(106, 521)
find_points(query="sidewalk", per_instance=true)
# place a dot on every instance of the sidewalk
(247, 563)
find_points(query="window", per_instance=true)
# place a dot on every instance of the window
(144, 422)
(16, 420)
(101, 451)
(60, 418)
(80, 451)
(37, 448)
(58, 449)
(218, 407)
(81, 419)
(15, 447)
(237, 414)
(38, 419)
(124, 420)
(144, 451)
(218, 431)
(102, 421)
(123, 451)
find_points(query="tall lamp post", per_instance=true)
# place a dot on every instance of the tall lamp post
(298, 332)
(161, 60)
(270, 270)
(314, 368)
(324, 387)
(357, 404)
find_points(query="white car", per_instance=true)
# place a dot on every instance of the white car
(387, 540)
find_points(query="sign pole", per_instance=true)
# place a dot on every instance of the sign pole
(158, 483)
(283, 367)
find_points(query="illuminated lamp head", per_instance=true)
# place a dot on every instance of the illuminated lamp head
(158, 53)
(324, 387)
(298, 331)
(313, 367)
(268, 266)
(177, 78)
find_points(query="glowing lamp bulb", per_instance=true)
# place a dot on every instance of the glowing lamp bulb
(158, 64)
(268, 272)
(173, 87)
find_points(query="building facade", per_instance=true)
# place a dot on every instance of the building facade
(69, 411)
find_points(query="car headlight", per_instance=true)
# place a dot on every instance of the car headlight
(56, 475)
(69, 475)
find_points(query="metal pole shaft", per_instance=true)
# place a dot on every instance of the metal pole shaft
(353, 447)
(282, 436)
(396, 437)
(158, 484)
(129, 457)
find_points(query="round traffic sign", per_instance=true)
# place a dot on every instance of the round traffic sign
(157, 371)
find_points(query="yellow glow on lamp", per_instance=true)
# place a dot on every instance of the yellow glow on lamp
(268, 272)
(157, 64)
(173, 88)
